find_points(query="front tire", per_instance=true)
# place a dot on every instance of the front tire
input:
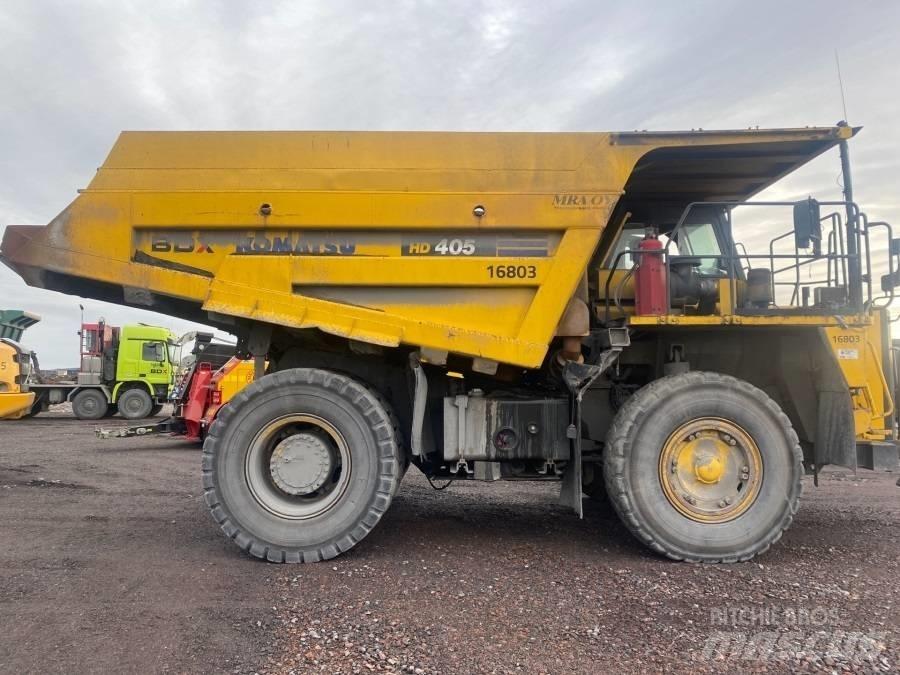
(301, 465)
(703, 467)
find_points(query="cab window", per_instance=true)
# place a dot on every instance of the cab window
(153, 351)
(699, 239)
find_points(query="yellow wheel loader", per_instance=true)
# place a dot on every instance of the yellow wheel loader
(16, 365)
(579, 307)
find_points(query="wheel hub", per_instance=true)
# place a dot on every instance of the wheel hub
(301, 464)
(708, 464)
(298, 466)
(710, 470)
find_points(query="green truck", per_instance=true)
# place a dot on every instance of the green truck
(127, 369)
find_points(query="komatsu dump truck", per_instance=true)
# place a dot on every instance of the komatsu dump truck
(503, 306)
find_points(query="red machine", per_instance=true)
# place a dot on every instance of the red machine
(196, 397)
(650, 288)
(97, 338)
(203, 398)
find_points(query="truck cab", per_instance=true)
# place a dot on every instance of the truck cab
(132, 367)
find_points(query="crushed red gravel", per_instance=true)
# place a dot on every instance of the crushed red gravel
(110, 562)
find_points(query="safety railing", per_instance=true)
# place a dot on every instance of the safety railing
(847, 260)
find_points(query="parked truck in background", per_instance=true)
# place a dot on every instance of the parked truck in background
(126, 369)
(207, 378)
(491, 306)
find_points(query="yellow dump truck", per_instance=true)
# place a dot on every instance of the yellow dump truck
(569, 306)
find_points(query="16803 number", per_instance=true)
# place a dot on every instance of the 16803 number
(512, 271)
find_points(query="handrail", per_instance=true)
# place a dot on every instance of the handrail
(884, 384)
(891, 271)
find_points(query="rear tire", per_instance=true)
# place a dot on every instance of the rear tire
(89, 404)
(729, 452)
(135, 404)
(297, 512)
(155, 410)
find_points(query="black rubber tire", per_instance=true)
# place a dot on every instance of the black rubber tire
(631, 461)
(111, 410)
(155, 410)
(89, 404)
(135, 404)
(36, 408)
(360, 416)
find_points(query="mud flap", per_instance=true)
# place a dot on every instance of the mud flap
(835, 432)
(571, 489)
(578, 377)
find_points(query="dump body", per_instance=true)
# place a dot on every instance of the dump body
(467, 243)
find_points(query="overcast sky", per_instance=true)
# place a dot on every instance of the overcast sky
(74, 74)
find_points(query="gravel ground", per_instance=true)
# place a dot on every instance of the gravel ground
(110, 562)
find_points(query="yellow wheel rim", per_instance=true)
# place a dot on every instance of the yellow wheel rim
(710, 470)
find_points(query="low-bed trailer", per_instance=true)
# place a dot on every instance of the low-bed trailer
(569, 306)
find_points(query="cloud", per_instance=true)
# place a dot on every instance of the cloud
(72, 75)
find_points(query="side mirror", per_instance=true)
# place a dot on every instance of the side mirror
(890, 281)
(895, 246)
(808, 226)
